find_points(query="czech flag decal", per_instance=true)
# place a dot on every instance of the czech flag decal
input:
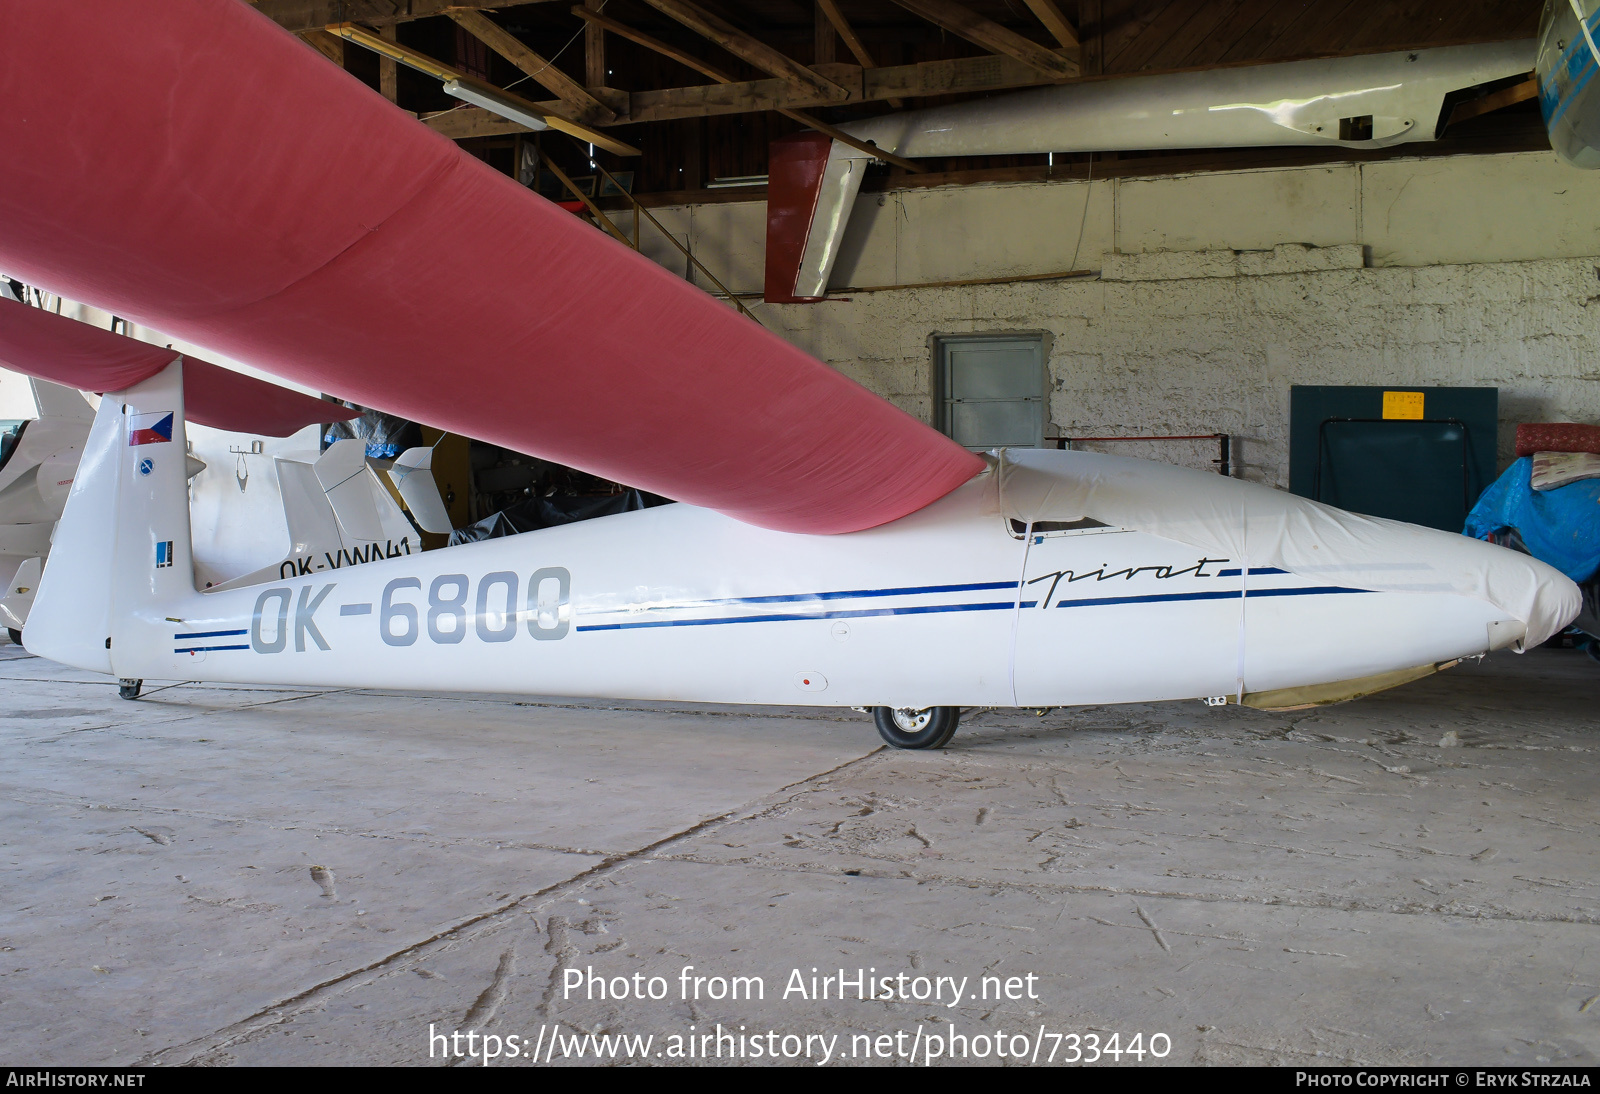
(150, 428)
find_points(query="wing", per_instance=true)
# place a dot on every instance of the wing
(64, 351)
(202, 171)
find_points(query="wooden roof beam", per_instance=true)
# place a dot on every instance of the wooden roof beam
(421, 62)
(329, 45)
(637, 37)
(303, 15)
(961, 75)
(1495, 100)
(718, 30)
(585, 107)
(723, 78)
(1055, 22)
(966, 23)
(852, 40)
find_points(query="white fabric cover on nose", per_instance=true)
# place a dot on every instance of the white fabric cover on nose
(1257, 526)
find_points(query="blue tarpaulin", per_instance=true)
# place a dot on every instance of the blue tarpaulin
(1560, 526)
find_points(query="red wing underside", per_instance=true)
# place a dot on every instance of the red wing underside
(64, 351)
(205, 173)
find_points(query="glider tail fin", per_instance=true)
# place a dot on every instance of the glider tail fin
(122, 548)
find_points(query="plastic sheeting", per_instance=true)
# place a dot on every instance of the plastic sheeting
(1559, 526)
(536, 513)
(51, 347)
(386, 435)
(1258, 526)
(270, 206)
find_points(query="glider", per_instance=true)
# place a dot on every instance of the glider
(831, 550)
(1370, 101)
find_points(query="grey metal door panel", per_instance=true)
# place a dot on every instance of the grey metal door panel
(992, 390)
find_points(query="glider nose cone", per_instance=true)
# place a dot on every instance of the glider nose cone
(1539, 597)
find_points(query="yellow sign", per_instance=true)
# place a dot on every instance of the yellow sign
(1402, 404)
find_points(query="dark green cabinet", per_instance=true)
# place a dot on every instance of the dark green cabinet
(1418, 454)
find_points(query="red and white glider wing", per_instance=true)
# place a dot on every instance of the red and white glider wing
(195, 167)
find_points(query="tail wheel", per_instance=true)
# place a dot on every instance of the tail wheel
(908, 727)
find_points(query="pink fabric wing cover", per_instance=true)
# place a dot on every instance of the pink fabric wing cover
(65, 351)
(198, 169)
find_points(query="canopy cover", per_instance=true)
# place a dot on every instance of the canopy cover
(51, 347)
(272, 207)
(1258, 526)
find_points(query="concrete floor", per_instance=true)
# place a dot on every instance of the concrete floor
(257, 875)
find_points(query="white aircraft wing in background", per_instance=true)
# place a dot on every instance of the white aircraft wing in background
(1371, 101)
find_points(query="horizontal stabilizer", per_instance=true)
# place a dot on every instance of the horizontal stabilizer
(342, 472)
(413, 477)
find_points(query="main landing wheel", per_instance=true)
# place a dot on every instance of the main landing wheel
(905, 727)
(130, 689)
(15, 635)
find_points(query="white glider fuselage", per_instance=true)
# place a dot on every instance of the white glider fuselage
(950, 606)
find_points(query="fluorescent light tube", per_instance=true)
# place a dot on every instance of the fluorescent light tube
(479, 96)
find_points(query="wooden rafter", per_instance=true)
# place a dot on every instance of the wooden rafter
(550, 112)
(1055, 22)
(302, 15)
(721, 77)
(723, 33)
(1091, 37)
(959, 75)
(854, 142)
(388, 74)
(688, 60)
(594, 49)
(326, 44)
(852, 40)
(1495, 100)
(585, 107)
(824, 39)
(966, 23)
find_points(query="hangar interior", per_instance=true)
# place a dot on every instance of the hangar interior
(324, 874)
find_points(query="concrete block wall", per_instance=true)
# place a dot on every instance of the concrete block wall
(1215, 348)
(1218, 292)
